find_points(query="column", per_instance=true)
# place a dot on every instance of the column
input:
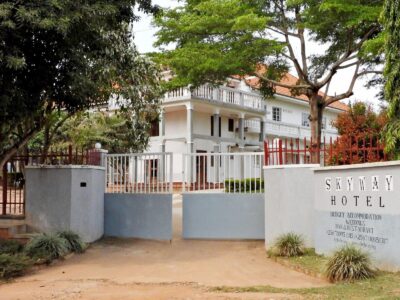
(161, 123)
(216, 124)
(189, 124)
(189, 142)
(262, 130)
(241, 128)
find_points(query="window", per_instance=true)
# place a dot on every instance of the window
(155, 128)
(212, 125)
(277, 114)
(305, 119)
(231, 125)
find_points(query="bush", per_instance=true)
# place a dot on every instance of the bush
(13, 265)
(290, 244)
(74, 242)
(10, 247)
(46, 247)
(349, 263)
(244, 185)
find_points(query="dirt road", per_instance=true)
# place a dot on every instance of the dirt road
(139, 269)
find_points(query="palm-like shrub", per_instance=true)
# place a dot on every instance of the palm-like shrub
(46, 247)
(290, 244)
(10, 247)
(13, 265)
(74, 242)
(349, 263)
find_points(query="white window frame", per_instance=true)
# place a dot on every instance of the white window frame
(276, 114)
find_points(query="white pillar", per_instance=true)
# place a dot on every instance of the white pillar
(262, 130)
(189, 142)
(189, 124)
(161, 123)
(241, 128)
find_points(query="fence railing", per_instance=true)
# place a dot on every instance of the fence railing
(223, 172)
(139, 173)
(12, 189)
(330, 152)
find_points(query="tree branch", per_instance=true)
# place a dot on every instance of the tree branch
(349, 92)
(289, 86)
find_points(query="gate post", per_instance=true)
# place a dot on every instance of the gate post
(4, 208)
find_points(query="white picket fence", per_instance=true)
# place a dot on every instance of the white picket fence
(240, 172)
(139, 173)
(147, 173)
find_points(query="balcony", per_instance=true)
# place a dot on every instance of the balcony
(293, 131)
(223, 95)
(252, 126)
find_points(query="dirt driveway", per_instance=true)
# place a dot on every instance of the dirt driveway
(139, 269)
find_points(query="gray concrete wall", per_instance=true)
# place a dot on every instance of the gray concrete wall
(147, 216)
(223, 216)
(56, 199)
(289, 200)
(359, 204)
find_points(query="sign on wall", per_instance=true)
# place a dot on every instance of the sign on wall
(359, 205)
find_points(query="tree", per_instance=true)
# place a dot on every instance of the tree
(67, 56)
(216, 39)
(118, 131)
(391, 20)
(359, 128)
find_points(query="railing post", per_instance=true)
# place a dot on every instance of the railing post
(4, 208)
(280, 152)
(171, 177)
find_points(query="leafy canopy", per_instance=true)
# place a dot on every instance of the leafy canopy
(391, 20)
(67, 55)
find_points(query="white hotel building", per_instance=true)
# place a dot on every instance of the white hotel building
(232, 118)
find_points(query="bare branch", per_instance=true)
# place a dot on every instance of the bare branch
(346, 56)
(289, 86)
(302, 43)
(349, 91)
(369, 72)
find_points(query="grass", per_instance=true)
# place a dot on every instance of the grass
(349, 263)
(10, 247)
(13, 265)
(384, 286)
(46, 247)
(289, 245)
(74, 242)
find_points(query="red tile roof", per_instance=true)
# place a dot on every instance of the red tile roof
(290, 79)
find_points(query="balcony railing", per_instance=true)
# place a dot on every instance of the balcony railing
(291, 130)
(219, 94)
(252, 126)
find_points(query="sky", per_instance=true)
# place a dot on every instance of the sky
(144, 39)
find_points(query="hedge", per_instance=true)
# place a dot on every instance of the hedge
(246, 185)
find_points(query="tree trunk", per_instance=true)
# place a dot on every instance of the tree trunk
(316, 112)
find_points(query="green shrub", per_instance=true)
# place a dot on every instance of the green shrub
(46, 247)
(244, 185)
(10, 247)
(74, 242)
(349, 263)
(13, 265)
(290, 244)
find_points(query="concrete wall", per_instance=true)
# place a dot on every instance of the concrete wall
(147, 216)
(223, 216)
(359, 204)
(66, 198)
(289, 201)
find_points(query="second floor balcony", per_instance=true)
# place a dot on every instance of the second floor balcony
(219, 95)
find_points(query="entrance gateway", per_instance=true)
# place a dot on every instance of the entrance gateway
(222, 195)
